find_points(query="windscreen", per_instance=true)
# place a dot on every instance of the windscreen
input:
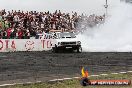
(67, 35)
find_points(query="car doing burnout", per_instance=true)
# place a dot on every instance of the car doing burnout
(66, 40)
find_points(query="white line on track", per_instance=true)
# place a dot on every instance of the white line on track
(29, 82)
(129, 71)
(122, 72)
(114, 73)
(67, 78)
(39, 81)
(10, 84)
(76, 77)
(53, 80)
(60, 79)
(103, 74)
(94, 75)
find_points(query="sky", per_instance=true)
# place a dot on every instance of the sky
(80, 6)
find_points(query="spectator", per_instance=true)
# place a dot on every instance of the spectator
(20, 24)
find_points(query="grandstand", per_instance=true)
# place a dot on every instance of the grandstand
(21, 25)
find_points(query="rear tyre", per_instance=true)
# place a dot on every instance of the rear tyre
(54, 50)
(79, 49)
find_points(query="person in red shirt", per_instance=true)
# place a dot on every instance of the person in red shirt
(20, 33)
(8, 32)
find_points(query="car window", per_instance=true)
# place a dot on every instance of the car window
(67, 35)
(63, 35)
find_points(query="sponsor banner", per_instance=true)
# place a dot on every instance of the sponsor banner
(87, 82)
(7, 45)
(110, 82)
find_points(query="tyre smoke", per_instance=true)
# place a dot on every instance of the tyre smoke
(112, 36)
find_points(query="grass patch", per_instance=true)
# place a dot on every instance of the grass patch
(76, 83)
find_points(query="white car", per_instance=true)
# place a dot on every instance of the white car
(66, 40)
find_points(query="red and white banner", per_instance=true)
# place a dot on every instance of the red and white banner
(7, 45)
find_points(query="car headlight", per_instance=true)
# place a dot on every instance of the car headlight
(78, 43)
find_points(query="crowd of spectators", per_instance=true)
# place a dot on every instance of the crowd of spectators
(23, 25)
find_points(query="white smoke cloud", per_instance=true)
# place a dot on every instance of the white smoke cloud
(114, 35)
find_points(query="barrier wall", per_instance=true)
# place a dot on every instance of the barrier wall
(8, 45)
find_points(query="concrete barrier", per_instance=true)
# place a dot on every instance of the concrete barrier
(11, 45)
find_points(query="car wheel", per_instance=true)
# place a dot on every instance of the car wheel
(54, 49)
(79, 49)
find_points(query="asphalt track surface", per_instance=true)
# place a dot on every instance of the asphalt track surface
(44, 66)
